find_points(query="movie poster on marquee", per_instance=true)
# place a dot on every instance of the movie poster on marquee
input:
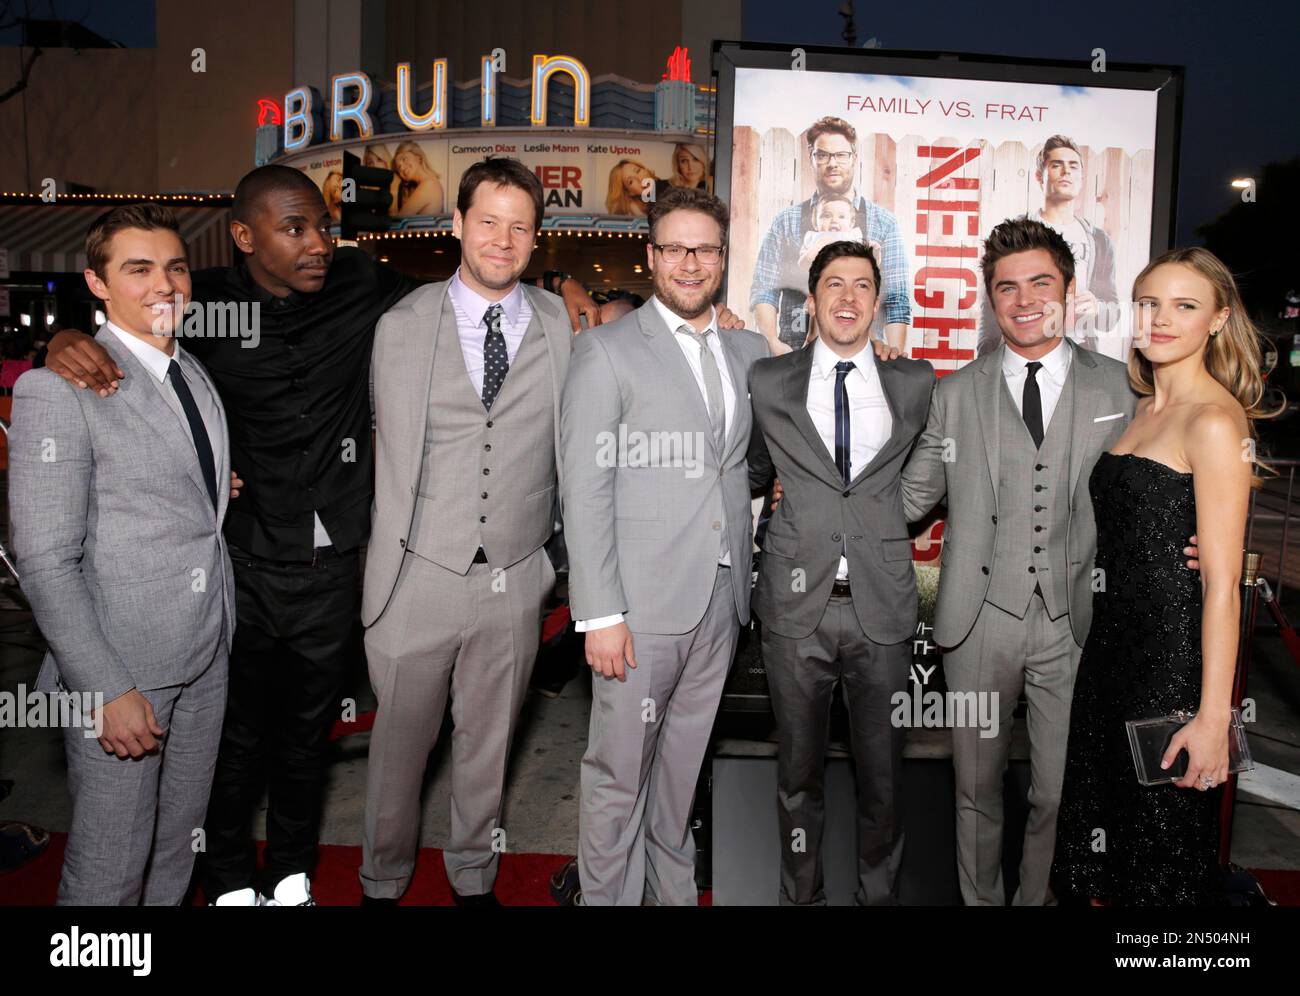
(618, 175)
(922, 169)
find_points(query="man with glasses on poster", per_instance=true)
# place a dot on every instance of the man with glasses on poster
(779, 290)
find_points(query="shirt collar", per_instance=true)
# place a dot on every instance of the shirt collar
(824, 360)
(675, 321)
(1054, 363)
(154, 359)
(474, 306)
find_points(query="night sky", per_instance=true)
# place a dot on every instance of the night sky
(1241, 59)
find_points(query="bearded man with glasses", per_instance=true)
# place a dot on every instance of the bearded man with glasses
(780, 288)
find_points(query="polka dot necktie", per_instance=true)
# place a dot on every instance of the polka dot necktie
(496, 361)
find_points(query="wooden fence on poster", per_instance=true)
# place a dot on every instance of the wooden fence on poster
(771, 171)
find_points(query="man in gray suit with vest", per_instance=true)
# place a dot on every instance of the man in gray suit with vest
(1011, 441)
(467, 381)
(836, 588)
(116, 505)
(654, 430)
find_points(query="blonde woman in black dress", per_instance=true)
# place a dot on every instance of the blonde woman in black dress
(1163, 637)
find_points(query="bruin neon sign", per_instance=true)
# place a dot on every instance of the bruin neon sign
(351, 95)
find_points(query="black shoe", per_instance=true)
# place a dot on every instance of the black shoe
(483, 899)
(566, 887)
(377, 900)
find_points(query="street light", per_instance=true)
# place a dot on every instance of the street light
(1242, 183)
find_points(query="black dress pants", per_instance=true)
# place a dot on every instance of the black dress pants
(295, 635)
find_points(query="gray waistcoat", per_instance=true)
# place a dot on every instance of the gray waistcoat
(488, 478)
(1029, 549)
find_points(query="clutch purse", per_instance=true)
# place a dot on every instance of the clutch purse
(1149, 739)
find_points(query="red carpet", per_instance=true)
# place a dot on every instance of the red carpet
(521, 881)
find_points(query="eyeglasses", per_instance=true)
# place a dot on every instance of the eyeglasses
(673, 253)
(841, 158)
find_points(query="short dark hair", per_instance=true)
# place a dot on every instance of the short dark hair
(688, 199)
(839, 250)
(145, 215)
(832, 125)
(501, 172)
(255, 185)
(1023, 234)
(1051, 145)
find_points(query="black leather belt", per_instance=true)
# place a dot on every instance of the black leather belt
(480, 557)
(840, 589)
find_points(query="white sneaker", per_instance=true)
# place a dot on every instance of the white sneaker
(239, 897)
(292, 890)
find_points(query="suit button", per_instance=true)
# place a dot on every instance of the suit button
(484, 494)
(486, 471)
(401, 543)
(412, 489)
(1038, 549)
(482, 518)
(1040, 466)
(1038, 487)
(1031, 569)
(1038, 529)
(835, 537)
(489, 423)
(995, 520)
(1037, 508)
(984, 570)
(846, 494)
(487, 447)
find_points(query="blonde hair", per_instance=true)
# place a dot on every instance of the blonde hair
(379, 153)
(1232, 355)
(407, 187)
(618, 200)
(697, 153)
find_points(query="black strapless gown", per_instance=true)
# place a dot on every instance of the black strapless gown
(1142, 659)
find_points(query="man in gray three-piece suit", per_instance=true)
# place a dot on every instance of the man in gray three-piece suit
(1011, 441)
(467, 381)
(654, 429)
(116, 506)
(836, 588)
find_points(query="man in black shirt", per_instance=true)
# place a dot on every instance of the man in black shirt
(295, 384)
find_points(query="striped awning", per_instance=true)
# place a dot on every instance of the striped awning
(51, 238)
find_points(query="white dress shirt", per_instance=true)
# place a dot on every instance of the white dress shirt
(691, 350)
(1051, 378)
(157, 362)
(870, 422)
(470, 308)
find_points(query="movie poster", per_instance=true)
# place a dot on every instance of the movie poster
(921, 169)
(617, 175)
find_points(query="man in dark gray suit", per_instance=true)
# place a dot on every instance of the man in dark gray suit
(117, 505)
(654, 428)
(836, 588)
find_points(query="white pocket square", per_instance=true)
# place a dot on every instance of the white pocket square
(1108, 418)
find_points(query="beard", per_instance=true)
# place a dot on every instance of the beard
(682, 305)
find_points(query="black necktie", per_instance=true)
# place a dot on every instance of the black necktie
(842, 443)
(202, 445)
(1032, 405)
(496, 361)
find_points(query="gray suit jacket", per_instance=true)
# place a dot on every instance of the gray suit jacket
(964, 413)
(117, 544)
(819, 515)
(402, 370)
(644, 531)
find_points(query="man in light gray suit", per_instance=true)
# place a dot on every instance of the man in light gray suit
(1011, 441)
(116, 505)
(467, 381)
(836, 588)
(654, 430)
